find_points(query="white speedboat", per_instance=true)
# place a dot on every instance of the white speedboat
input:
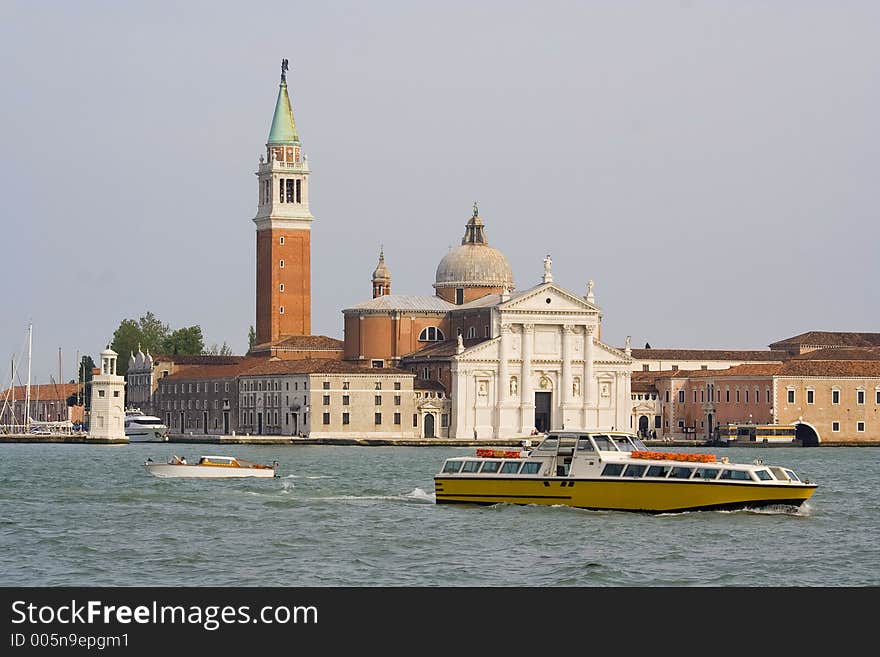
(211, 467)
(141, 428)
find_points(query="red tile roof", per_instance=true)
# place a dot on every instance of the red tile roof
(706, 354)
(320, 366)
(841, 353)
(218, 371)
(832, 368)
(42, 391)
(303, 342)
(830, 339)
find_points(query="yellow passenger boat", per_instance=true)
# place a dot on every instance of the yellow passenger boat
(612, 470)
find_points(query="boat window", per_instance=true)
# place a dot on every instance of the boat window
(584, 445)
(638, 444)
(491, 466)
(681, 472)
(452, 466)
(635, 470)
(778, 473)
(612, 470)
(707, 473)
(531, 467)
(471, 466)
(736, 475)
(510, 467)
(658, 470)
(763, 475)
(549, 444)
(792, 475)
(623, 443)
(603, 443)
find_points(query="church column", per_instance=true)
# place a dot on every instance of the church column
(588, 385)
(567, 334)
(527, 401)
(502, 388)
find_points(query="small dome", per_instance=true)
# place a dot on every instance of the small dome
(474, 263)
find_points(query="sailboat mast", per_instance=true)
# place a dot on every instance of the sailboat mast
(12, 387)
(27, 394)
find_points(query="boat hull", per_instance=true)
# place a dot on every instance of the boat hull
(168, 470)
(618, 495)
(147, 437)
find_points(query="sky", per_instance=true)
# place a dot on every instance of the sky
(711, 165)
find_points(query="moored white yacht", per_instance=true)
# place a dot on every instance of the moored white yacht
(142, 428)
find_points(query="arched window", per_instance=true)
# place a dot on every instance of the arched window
(431, 334)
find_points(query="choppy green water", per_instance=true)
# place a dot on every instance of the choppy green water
(74, 515)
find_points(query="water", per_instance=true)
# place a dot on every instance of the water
(76, 515)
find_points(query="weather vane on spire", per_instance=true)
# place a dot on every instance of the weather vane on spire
(476, 211)
(284, 69)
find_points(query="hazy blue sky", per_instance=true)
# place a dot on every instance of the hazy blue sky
(713, 166)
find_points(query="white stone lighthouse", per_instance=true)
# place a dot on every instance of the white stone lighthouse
(107, 419)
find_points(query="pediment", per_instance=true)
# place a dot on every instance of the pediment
(536, 300)
(483, 350)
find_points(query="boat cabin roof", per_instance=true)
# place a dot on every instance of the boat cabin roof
(218, 459)
(601, 441)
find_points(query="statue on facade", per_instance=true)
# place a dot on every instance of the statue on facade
(284, 68)
(513, 386)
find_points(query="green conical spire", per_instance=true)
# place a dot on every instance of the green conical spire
(283, 130)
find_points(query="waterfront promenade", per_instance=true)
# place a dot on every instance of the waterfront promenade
(212, 439)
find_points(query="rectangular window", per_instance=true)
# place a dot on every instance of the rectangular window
(281, 240)
(695, 396)
(877, 400)
(646, 368)
(835, 396)
(860, 427)
(345, 399)
(397, 418)
(397, 385)
(459, 296)
(667, 396)
(326, 418)
(377, 363)
(345, 385)
(326, 385)
(281, 190)
(811, 396)
(681, 396)
(860, 396)
(298, 190)
(281, 287)
(835, 426)
(115, 393)
(378, 400)
(345, 418)
(415, 419)
(100, 393)
(485, 331)
(377, 418)
(791, 396)
(747, 395)
(727, 395)
(675, 368)
(768, 395)
(397, 400)
(291, 190)
(378, 385)
(226, 386)
(326, 400)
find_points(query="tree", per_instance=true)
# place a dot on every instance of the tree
(187, 340)
(214, 350)
(252, 337)
(84, 395)
(126, 339)
(153, 332)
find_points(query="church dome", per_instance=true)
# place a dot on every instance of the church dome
(474, 263)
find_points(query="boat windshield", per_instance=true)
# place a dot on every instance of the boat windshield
(604, 443)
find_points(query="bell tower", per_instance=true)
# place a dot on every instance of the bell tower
(283, 220)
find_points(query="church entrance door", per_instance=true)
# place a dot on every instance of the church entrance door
(542, 411)
(429, 425)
